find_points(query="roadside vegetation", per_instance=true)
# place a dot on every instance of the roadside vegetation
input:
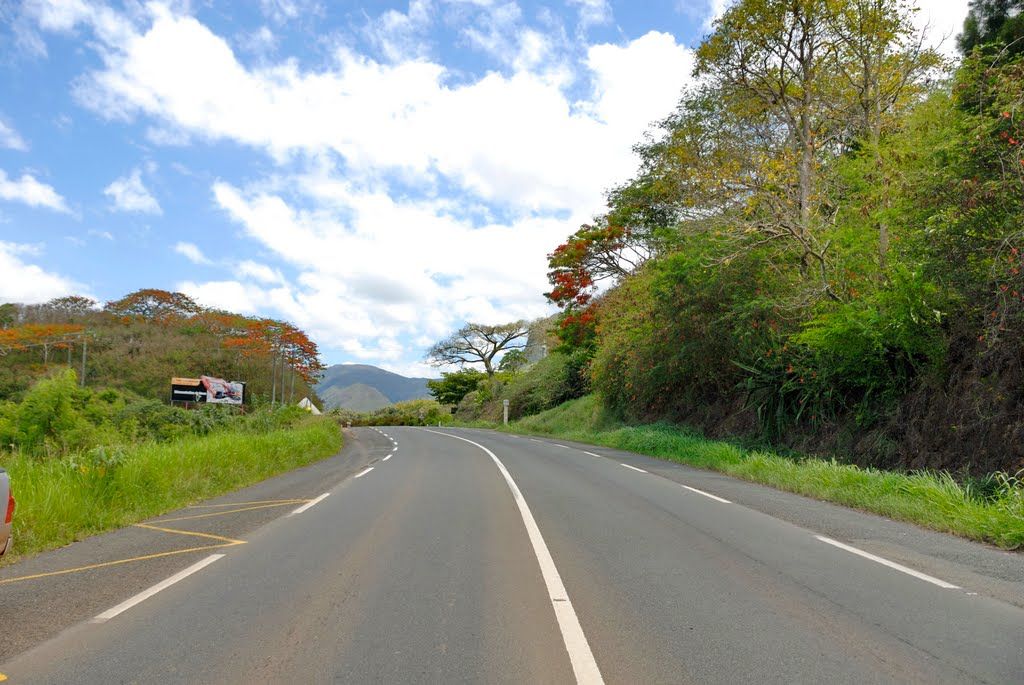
(138, 342)
(83, 460)
(989, 509)
(821, 251)
(410, 413)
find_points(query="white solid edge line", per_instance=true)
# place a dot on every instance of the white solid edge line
(707, 494)
(364, 472)
(891, 564)
(584, 667)
(162, 585)
(632, 467)
(309, 504)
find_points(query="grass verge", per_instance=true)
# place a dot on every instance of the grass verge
(63, 500)
(933, 500)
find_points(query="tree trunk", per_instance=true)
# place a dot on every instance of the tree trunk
(883, 226)
(273, 380)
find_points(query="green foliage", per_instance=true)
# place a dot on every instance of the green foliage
(58, 418)
(669, 335)
(410, 413)
(454, 385)
(558, 377)
(513, 362)
(106, 487)
(934, 500)
(993, 26)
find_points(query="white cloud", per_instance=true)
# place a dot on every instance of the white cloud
(192, 253)
(10, 139)
(521, 164)
(402, 36)
(593, 12)
(282, 11)
(228, 295)
(29, 283)
(512, 139)
(106, 235)
(131, 195)
(31, 192)
(716, 8)
(259, 272)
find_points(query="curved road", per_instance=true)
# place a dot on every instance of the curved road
(472, 556)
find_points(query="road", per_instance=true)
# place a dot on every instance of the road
(450, 556)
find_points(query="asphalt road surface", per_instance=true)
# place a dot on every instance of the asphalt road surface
(458, 556)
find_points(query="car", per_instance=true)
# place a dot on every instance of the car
(5, 528)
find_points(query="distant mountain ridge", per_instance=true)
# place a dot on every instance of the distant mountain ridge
(361, 387)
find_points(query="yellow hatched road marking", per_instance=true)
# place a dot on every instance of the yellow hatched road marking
(222, 540)
(227, 541)
(241, 504)
(90, 567)
(233, 511)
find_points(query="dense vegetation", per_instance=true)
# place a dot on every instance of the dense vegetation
(822, 246)
(84, 460)
(86, 457)
(139, 342)
(408, 413)
(990, 509)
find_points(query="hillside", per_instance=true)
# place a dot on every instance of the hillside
(362, 387)
(140, 341)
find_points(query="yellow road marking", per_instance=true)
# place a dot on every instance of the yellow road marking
(240, 504)
(90, 567)
(225, 513)
(2, 677)
(224, 541)
(227, 541)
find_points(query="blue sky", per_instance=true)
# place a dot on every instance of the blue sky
(376, 172)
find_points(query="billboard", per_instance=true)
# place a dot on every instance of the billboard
(220, 391)
(207, 389)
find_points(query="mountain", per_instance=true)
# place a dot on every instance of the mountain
(362, 387)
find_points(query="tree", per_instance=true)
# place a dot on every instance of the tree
(994, 26)
(454, 385)
(154, 305)
(71, 305)
(513, 361)
(881, 63)
(477, 343)
(592, 254)
(771, 58)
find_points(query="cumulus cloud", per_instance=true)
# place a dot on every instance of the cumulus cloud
(29, 283)
(10, 139)
(32, 192)
(508, 138)
(192, 253)
(494, 169)
(131, 195)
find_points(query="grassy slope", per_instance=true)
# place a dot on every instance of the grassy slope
(59, 501)
(927, 499)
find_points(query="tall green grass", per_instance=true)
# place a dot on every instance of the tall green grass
(934, 500)
(62, 500)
